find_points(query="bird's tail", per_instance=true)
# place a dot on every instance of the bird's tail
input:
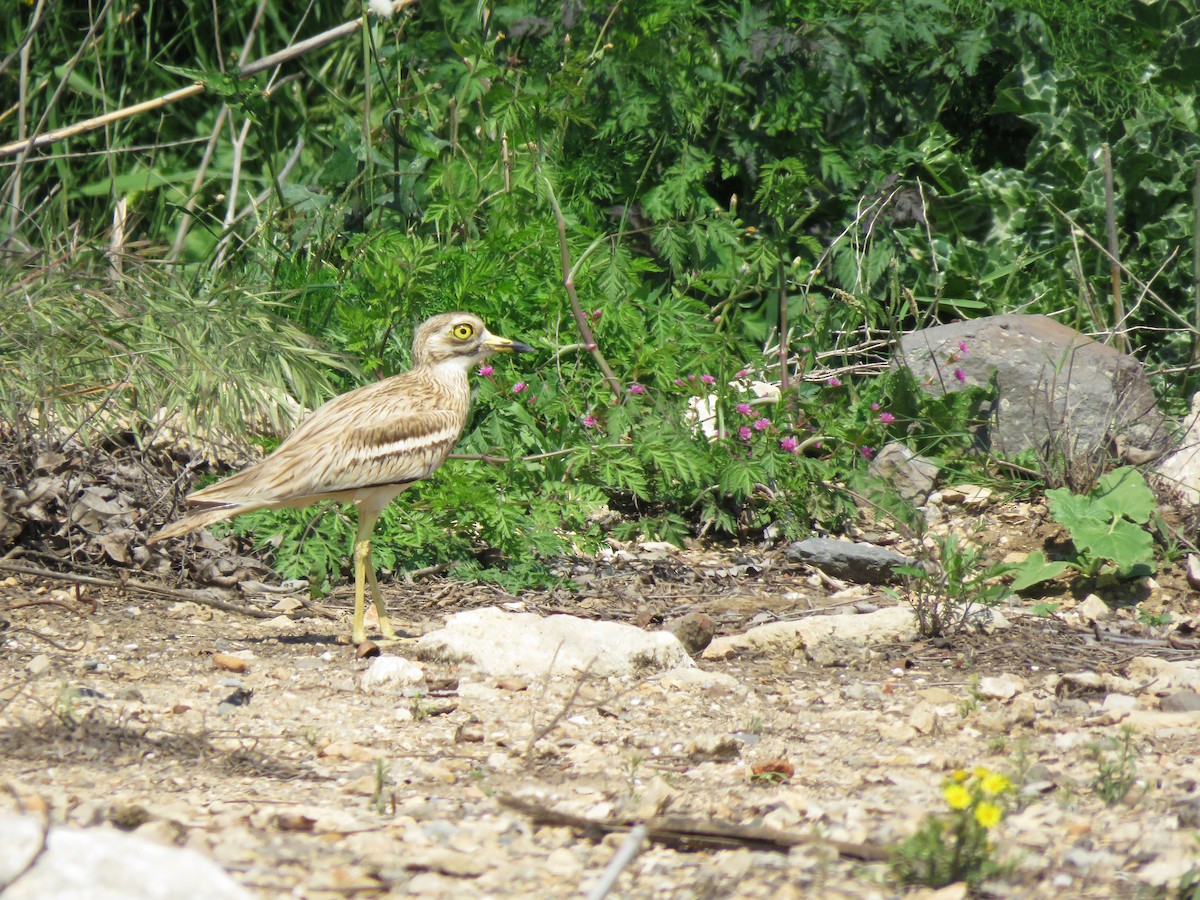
(199, 519)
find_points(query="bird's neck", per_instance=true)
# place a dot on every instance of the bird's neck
(450, 375)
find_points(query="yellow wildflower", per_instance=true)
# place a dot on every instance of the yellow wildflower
(981, 772)
(994, 783)
(959, 775)
(957, 796)
(987, 814)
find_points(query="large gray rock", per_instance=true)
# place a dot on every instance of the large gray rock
(101, 864)
(1060, 392)
(502, 643)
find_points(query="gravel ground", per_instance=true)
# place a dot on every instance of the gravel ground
(250, 740)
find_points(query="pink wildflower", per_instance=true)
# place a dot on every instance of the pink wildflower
(519, 387)
(874, 407)
(961, 376)
(596, 314)
(708, 379)
(485, 371)
(744, 433)
(742, 373)
(867, 452)
(887, 418)
(636, 388)
(589, 421)
(789, 445)
(762, 424)
(833, 382)
(745, 409)
(962, 346)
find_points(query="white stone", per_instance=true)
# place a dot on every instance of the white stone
(1093, 609)
(391, 673)
(101, 864)
(1165, 673)
(1119, 703)
(1181, 470)
(1001, 687)
(895, 623)
(501, 643)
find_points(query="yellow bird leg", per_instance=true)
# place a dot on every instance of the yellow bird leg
(362, 559)
(385, 627)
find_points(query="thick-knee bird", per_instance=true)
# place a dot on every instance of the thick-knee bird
(365, 446)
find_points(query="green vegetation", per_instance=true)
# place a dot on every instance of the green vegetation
(1107, 527)
(1116, 768)
(953, 586)
(956, 845)
(701, 171)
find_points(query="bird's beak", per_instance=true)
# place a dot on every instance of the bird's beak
(498, 344)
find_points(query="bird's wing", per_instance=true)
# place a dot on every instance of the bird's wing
(368, 438)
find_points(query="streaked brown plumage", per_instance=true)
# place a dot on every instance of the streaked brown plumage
(365, 446)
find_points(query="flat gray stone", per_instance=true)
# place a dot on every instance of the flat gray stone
(857, 562)
(1181, 701)
(503, 643)
(102, 864)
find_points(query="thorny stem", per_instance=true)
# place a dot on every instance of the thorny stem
(783, 329)
(550, 454)
(581, 322)
(1110, 220)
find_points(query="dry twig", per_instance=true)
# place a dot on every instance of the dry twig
(683, 833)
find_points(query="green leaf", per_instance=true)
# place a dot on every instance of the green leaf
(1124, 493)
(218, 83)
(1036, 569)
(1070, 509)
(1127, 545)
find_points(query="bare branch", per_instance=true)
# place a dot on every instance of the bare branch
(581, 322)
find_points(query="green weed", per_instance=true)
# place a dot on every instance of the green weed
(1107, 528)
(956, 845)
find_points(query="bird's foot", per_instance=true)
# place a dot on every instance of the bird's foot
(367, 648)
(394, 639)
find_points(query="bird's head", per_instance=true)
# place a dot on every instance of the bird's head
(459, 339)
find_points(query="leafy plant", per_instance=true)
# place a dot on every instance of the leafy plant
(1116, 768)
(1107, 531)
(956, 845)
(952, 586)
(1189, 885)
(835, 172)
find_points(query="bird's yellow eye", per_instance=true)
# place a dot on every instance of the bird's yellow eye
(463, 331)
